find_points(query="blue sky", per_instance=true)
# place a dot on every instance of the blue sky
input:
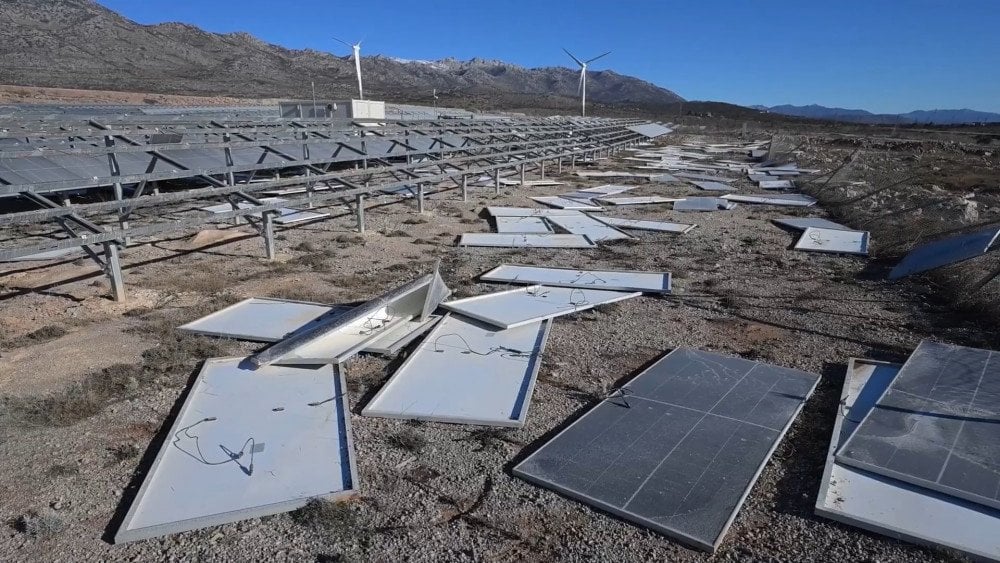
(880, 55)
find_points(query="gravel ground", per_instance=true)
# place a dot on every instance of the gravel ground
(739, 289)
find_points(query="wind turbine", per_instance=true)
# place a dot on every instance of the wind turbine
(583, 78)
(357, 63)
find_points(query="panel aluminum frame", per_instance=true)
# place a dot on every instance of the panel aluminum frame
(641, 225)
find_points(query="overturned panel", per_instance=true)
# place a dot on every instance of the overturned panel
(565, 203)
(247, 443)
(337, 338)
(803, 223)
(946, 251)
(260, 319)
(526, 240)
(713, 186)
(394, 339)
(816, 239)
(607, 189)
(518, 307)
(775, 184)
(528, 212)
(888, 506)
(641, 225)
(587, 226)
(705, 177)
(703, 204)
(522, 225)
(617, 280)
(650, 130)
(639, 200)
(466, 372)
(679, 447)
(790, 200)
(936, 426)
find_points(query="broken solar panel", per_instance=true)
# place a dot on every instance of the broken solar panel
(889, 506)
(521, 225)
(617, 280)
(942, 252)
(679, 447)
(706, 177)
(526, 240)
(803, 223)
(587, 226)
(528, 212)
(640, 225)
(335, 339)
(703, 204)
(563, 203)
(793, 200)
(639, 200)
(467, 372)
(816, 239)
(260, 319)
(247, 443)
(521, 306)
(937, 425)
(775, 184)
(713, 186)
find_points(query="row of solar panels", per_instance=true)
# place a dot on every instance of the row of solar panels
(75, 171)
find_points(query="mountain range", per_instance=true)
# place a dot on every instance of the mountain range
(81, 44)
(937, 116)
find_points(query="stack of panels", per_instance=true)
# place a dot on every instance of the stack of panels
(889, 506)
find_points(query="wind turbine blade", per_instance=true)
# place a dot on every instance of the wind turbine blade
(572, 57)
(599, 56)
(342, 41)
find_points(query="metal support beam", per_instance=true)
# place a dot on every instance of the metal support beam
(559, 165)
(420, 198)
(465, 188)
(267, 229)
(360, 203)
(522, 174)
(113, 269)
(542, 169)
(496, 181)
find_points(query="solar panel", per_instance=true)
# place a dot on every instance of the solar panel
(937, 425)
(588, 226)
(793, 200)
(640, 225)
(466, 372)
(803, 223)
(526, 240)
(945, 251)
(639, 200)
(889, 506)
(521, 306)
(521, 225)
(713, 186)
(563, 203)
(247, 443)
(816, 239)
(618, 280)
(703, 204)
(680, 446)
(260, 319)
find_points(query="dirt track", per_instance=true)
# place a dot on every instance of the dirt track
(739, 289)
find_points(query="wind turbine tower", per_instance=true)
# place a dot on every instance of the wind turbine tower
(583, 79)
(357, 63)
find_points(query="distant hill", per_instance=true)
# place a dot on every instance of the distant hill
(937, 116)
(81, 44)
